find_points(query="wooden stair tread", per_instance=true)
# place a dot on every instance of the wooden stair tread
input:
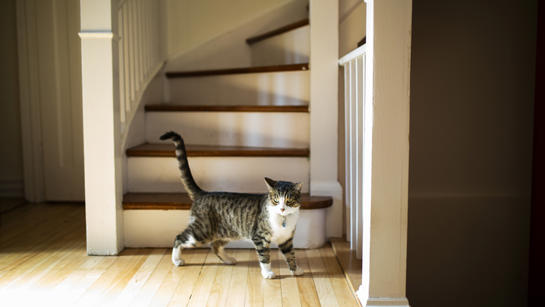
(181, 201)
(240, 70)
(283, 29)
(167, 150)
(226, 108)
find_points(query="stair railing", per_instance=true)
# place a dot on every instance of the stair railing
(121, 53)
(354, 102)
(140, 55)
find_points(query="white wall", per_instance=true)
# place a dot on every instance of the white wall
(472, 84)
(212, 33)
(191, 23)
(11, 176)
(351, 24)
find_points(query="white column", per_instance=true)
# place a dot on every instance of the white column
(386, 153)
(101, 128)
(324, 35)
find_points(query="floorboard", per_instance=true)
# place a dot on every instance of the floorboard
(351, 266)
(43, 259)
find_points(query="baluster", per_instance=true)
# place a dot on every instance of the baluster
(141, 45)
(350, 146)
(156, 29)
(126, 58)
(148, 34)
(137, 50)
(359, 116)
(121, 64)
(347, 184)
(132, 48)
(353, 149)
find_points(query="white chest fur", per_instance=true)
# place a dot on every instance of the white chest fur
(280, 233)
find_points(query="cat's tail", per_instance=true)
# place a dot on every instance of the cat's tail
(187, 179)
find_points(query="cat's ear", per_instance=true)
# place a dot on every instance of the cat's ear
(270, 183)
(298, 186)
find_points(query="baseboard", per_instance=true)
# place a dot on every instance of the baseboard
(11, 188)
(388, 301)
(381, 301)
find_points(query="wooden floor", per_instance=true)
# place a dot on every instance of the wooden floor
(43, 262)
(349, 263)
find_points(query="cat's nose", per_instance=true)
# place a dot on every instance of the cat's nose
(282, 209)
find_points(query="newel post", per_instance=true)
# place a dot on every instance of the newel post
(101, 127)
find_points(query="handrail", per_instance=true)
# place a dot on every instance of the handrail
(352, 55)
(283, 29)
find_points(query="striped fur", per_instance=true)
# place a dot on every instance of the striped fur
(187, 178)
(219, 217)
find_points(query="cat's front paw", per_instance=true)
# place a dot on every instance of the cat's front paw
(267, 274)
(176, 256)
(178, 262)
(298, 272)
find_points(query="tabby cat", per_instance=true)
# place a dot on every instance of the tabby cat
(219, 217)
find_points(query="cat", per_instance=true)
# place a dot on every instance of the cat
(219, 217)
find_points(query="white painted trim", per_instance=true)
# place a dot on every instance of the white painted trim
(387, 301)
(334, 214)
(361, 294)
(368, 149)
(97, 35)
(101, 125)
(380, 301)
(353, 54)
(386, 173)
(29, 97)
(11, 188)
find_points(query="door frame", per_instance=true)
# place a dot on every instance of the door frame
(537, 215)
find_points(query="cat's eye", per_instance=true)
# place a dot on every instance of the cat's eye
(274, 201)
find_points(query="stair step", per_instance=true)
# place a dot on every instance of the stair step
(240, 174)
(232, 128)
(167, 150)
(181, 201)
(154, 220)
(242, 70)
(226, 108)
(283, 29)
(284, 85)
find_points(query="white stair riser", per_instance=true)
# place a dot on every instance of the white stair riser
(234, 174)
(158, 228)
(274, 88)
(291, 47)
(232, 128)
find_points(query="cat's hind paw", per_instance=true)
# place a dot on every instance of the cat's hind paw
(229, 260)
(298, 272)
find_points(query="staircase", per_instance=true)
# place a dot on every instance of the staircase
(240, 125)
